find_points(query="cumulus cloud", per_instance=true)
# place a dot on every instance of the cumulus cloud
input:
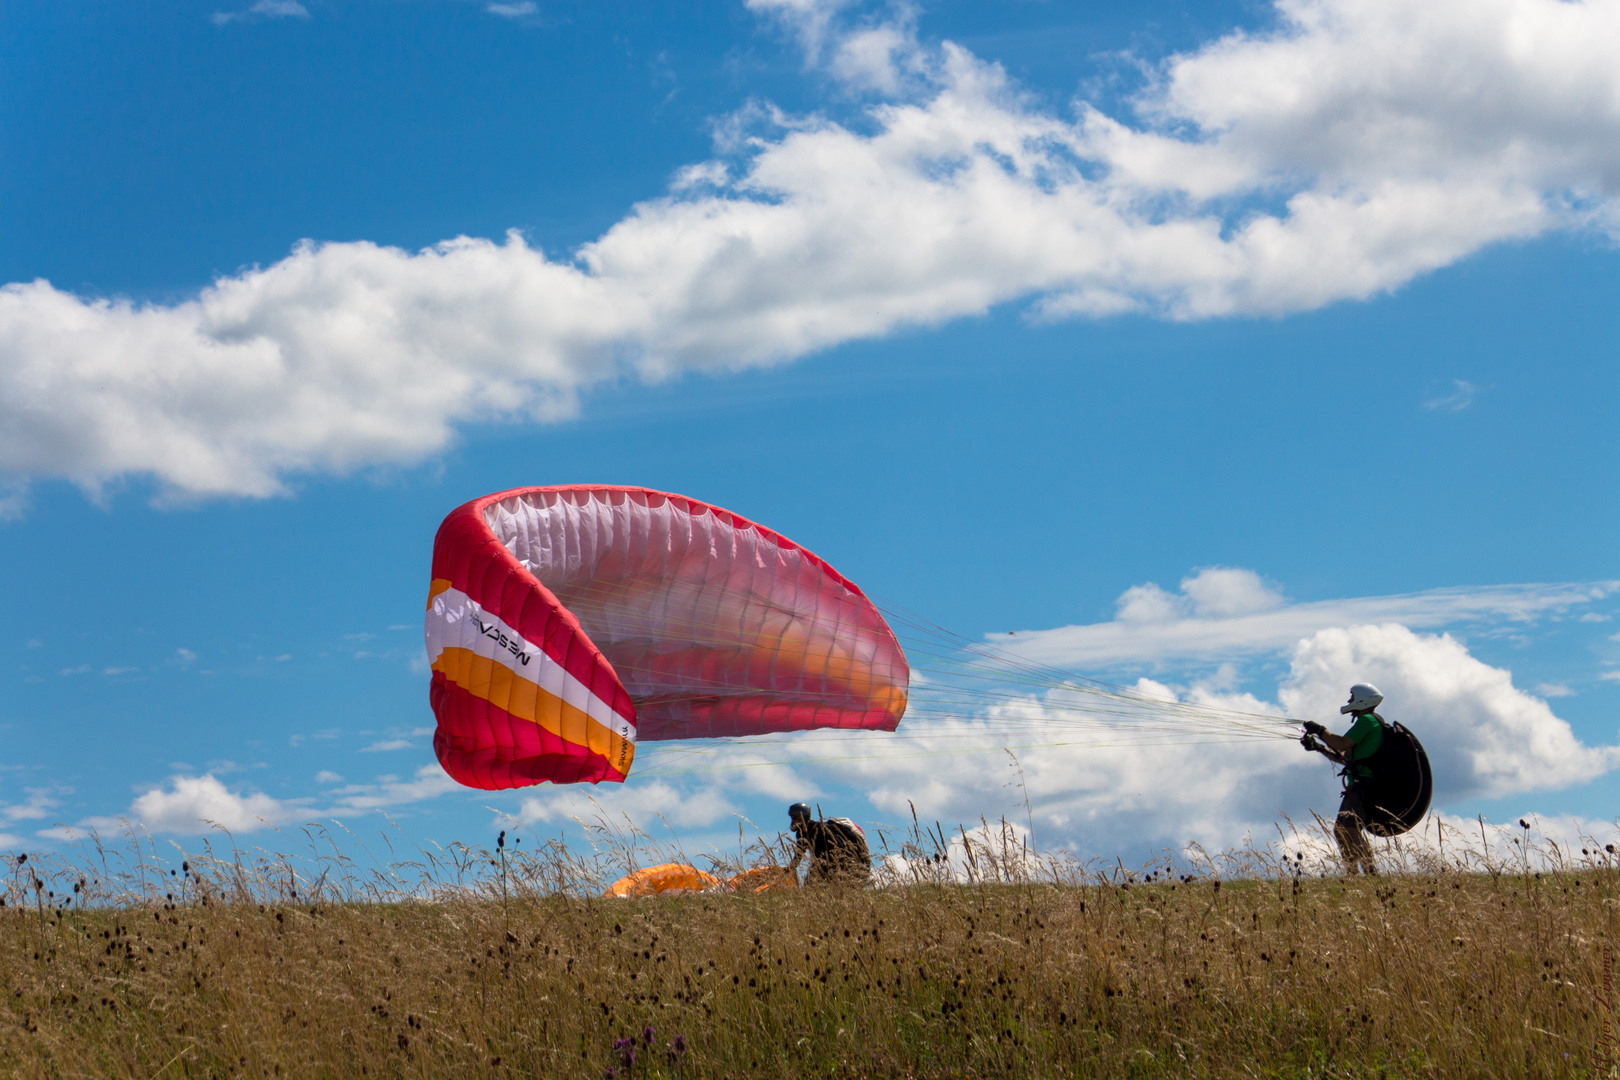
(643, 804)
(1095, 789)
(1351, 147)
(195, 804)
(190, 805)
(1002, 851)
(1223, 612)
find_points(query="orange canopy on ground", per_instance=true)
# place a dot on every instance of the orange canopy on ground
(660, 879)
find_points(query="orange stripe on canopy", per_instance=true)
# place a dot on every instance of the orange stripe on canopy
(500, 686)
(440, 584)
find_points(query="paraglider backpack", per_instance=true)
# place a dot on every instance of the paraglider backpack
(1397, 791)
(847, 837)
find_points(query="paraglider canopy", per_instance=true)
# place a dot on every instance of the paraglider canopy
(667, 877)
(565, 624)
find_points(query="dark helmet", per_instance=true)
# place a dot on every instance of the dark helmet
(799, 812)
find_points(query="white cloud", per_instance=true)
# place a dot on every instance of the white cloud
(812, 21)
(1462, 396)
(1102, 788)
(1223, 592)
(1227, 613)
(1358, 144)
(512, 11)
(1611, 676)
(38, 803)
(643, 804)
(1592, 616)
(387, 744)
(1000, 851)
(428, 782)
(263, 9)
(194, 804)
(1213, 592)
(1554, 690)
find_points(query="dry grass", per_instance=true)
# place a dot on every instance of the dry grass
(278, 968)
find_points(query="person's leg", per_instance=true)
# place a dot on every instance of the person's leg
(1354, 850)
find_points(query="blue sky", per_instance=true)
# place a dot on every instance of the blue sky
(1004, 309)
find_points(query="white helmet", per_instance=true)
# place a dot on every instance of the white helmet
(1364, 697)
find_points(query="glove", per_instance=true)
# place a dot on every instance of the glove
(1309, 743)
(1313, 728)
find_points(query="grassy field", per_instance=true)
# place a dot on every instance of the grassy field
(1434, 970)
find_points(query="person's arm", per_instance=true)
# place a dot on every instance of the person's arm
(1338, 744)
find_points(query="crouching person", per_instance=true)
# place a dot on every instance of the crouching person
(836, 846)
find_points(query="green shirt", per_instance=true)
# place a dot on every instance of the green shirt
(1368, 735)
